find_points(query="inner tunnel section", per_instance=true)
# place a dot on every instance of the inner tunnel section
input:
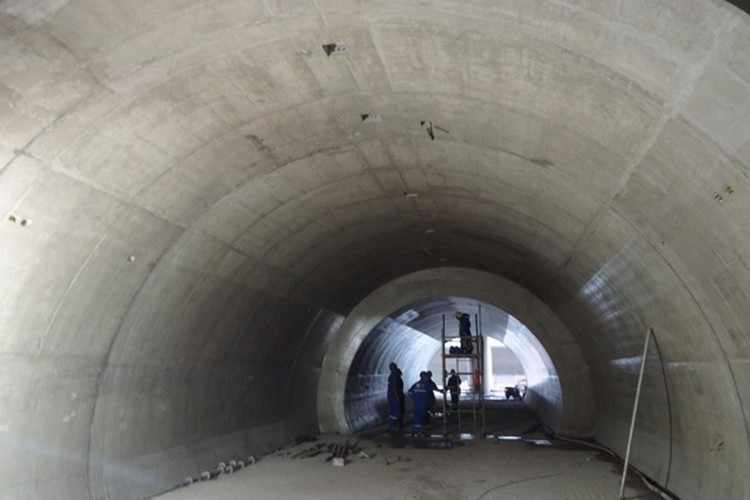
(411, 337)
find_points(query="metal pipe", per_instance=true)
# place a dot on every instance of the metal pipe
(445, 375)
(483, 368)
(474, 368)
(635, 413)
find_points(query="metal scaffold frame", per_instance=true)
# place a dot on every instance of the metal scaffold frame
(477, 378)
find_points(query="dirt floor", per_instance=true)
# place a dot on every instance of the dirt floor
(410, 469)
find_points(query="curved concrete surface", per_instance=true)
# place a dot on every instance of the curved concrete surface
(365, 403)
(571, 415)
(194, 191)
(411, 338)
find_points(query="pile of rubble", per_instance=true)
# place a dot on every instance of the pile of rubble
(222, 468)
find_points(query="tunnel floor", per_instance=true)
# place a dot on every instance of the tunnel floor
(483, 469)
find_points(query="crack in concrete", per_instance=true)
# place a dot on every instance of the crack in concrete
(542, 162)
(518, 481)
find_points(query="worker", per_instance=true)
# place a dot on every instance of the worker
(464, 331)
(454, 386)
(395, 399)
(420, 392)
(431, 397)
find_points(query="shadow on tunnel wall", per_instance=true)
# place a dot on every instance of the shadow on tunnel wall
(367, 382)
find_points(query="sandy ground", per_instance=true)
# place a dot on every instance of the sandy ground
(480, 470)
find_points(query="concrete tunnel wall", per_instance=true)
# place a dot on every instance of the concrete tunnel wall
(367, 380)
(594, 152)
(412, 341)
(361, 348)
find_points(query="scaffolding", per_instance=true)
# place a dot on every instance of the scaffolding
(470, 365)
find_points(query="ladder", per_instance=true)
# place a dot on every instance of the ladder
(471, 366)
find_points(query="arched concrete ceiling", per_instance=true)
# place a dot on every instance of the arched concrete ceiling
(364, 346)
(201, 193)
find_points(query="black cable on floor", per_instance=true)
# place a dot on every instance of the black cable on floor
(669, 408)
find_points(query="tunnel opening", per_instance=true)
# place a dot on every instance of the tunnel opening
(411, 337)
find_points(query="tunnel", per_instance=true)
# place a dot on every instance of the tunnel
(412, 336)
(207, 206)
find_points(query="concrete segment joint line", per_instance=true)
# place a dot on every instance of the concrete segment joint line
(68, 288)
(517, 481)
(106, 363)
(709, 324)
(268, 9)
(298, 354)
(320, 12)
(668, 474)
(671, 110)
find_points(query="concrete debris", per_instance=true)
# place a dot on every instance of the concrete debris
(371, 118)
(393, 460)
(221, 468)
(339, 452)
(310, 452)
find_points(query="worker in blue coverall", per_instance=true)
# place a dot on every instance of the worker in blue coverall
(395, 399)
(420, 392)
